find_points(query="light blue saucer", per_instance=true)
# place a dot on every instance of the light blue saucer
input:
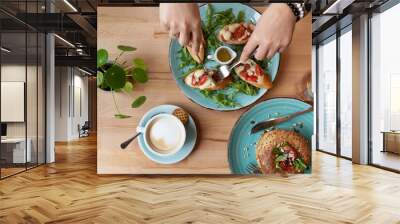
(191, 137)
(242, 144)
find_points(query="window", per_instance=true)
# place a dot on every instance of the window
(22, 75)
(327, 96)
(346, 93)
(385, 89)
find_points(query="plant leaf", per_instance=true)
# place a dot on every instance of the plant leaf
(115, 77)
(100, 78)
(139, 63)
(128, 87)
(121, 116)
(102, 57)
(140, 75)
(126, 48)
(138, 102)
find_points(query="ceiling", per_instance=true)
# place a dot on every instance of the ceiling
(72, 20)
(332, 15)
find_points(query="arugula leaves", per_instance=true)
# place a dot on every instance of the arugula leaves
(187, 60)
(243, 87)
(221, 98)
(298, 164)
(264, 64)
(240, 17)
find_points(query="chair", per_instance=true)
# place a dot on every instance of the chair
(84, 130)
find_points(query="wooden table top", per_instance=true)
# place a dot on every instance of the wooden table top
(139, 27)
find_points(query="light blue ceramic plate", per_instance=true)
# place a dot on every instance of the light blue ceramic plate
(194, 94)
(241, 147)
(191, 137)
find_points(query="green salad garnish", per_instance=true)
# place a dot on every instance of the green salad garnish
(282, 156)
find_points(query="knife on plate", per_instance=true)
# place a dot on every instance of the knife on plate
(274, 121)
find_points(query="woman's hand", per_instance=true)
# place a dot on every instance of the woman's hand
(182, 20)
(273, 33)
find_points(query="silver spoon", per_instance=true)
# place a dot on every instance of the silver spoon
(127, 142)
(225, 70)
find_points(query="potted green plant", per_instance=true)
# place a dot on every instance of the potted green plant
(117, 76)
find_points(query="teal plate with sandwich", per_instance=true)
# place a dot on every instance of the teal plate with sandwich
(213, 101)
(190, 142)
(242, 144)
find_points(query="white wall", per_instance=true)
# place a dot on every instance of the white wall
(62, 81)
(33, 127)
(70, 83)
(16, 73)
(79, 117)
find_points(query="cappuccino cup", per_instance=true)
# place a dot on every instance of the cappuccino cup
(164, 134)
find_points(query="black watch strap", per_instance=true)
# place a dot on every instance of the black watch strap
(299, 10)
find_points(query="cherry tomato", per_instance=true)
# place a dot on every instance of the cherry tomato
(259, 71)
(239, 32)
(253, 78)
(203, 79)
(194, 81)
(284, 165)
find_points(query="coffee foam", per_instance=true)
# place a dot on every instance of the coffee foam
(164, 134)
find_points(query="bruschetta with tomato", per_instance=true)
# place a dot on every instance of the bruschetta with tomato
(199, 57)
(236, 33)
(253, 74)
(206, 79)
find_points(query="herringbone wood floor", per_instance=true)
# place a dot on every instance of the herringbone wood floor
(69, 191)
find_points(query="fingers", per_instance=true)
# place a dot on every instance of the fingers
(173, 34)
(178, 32)
(196, 40)
(272, 51)
(267, 51)
(184, 37)
(261, 52)
(248, 50)
(173, 31)
(164, 25)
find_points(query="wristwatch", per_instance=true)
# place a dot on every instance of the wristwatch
(299, 9)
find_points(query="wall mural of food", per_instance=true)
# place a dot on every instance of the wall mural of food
(227, 125)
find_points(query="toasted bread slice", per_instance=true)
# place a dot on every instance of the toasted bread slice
(199, 57)
(253, 74)
(236, 33)
(265, 155)
(221, 84)
(203, 79)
